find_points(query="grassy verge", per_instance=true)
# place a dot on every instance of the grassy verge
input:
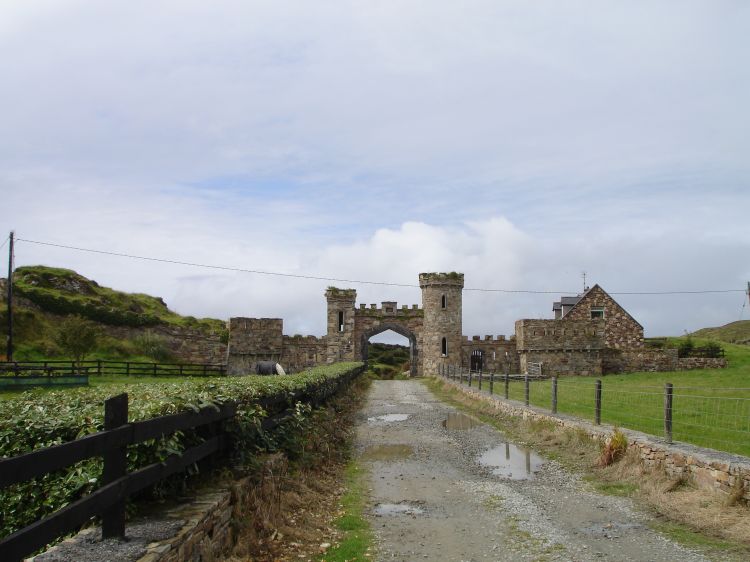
(711, 407)
(694, 517)
(356, 542)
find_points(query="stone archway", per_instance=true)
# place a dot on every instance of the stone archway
(401, 330)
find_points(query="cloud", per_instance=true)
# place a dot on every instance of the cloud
(518, 142)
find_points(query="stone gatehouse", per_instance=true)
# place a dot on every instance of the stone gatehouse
(590, 334)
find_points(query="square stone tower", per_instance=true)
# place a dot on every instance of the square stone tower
(442, 329)
(340, 336)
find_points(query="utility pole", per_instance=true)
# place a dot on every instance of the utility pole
(9, 353)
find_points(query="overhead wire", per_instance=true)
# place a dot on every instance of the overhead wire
(353, 281)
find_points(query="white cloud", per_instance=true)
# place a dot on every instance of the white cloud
(517, 142)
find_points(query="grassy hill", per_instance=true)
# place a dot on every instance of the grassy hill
(54, 293)
(388, 361)
(734, 332)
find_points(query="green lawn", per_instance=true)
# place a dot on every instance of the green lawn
(711, 407)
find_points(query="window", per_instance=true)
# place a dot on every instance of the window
(444, 347)
(597, 312)
(444, 302)
(341, 320)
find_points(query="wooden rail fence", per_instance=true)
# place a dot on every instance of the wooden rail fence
(101, 367)
(111, 444)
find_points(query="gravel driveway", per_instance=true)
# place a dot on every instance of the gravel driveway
(463, 493)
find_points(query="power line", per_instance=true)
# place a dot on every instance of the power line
(4, 243)
(354, 281)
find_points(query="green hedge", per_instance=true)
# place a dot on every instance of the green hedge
(36, 420)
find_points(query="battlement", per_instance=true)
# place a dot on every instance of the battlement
(436, 279)
(388, 308)
(496, 339)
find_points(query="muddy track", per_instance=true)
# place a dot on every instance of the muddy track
(463, 493)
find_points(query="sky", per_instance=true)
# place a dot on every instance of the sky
(518, 142)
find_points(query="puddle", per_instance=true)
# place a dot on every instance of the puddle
(511, 461)
(460, 421)
(389, 418)
(387, 452)
(397, 509)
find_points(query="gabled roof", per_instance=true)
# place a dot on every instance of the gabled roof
(588, 292)
(565, 301)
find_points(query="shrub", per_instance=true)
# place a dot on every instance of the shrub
(77, 337)
(33, 420)
(685, 348)
(153, 346)
(614, 448)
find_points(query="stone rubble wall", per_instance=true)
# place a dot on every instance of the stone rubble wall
(690, 363)
(554, 335)
(494, 350)
(709, 469)
(252, 340)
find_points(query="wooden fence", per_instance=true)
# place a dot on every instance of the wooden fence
(99, 367)
(117, 485)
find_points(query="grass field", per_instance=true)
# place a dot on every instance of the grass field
(711, 407)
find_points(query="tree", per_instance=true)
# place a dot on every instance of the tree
(77, 337)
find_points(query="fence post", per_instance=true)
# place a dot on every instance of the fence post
(492, 382)
(526, 389)
(554, 395)
(115, 466)
(507, 384)
(668, 388)
(127, 368)
(99, 367)
(469, 379)
(480, 380)
(598, 403)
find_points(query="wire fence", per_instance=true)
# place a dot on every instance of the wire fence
(717, 418)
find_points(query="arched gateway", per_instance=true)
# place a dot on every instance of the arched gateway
(433, 331)
(399, 329)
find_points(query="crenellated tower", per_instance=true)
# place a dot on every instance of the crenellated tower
(340, 336)
(442, 329)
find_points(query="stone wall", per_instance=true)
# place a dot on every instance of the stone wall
(690, 363)
(709, 469)
(570, 362)
(302, 352)
(498, 353)
(621, 331)
(252, 340)
(188, 345)
(558, 335)
(639, 360)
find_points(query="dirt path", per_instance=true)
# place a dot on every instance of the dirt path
(432, 499)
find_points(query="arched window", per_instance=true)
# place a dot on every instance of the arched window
(444, 347)
(444, 302)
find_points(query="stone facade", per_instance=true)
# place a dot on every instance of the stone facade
(621, 331)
